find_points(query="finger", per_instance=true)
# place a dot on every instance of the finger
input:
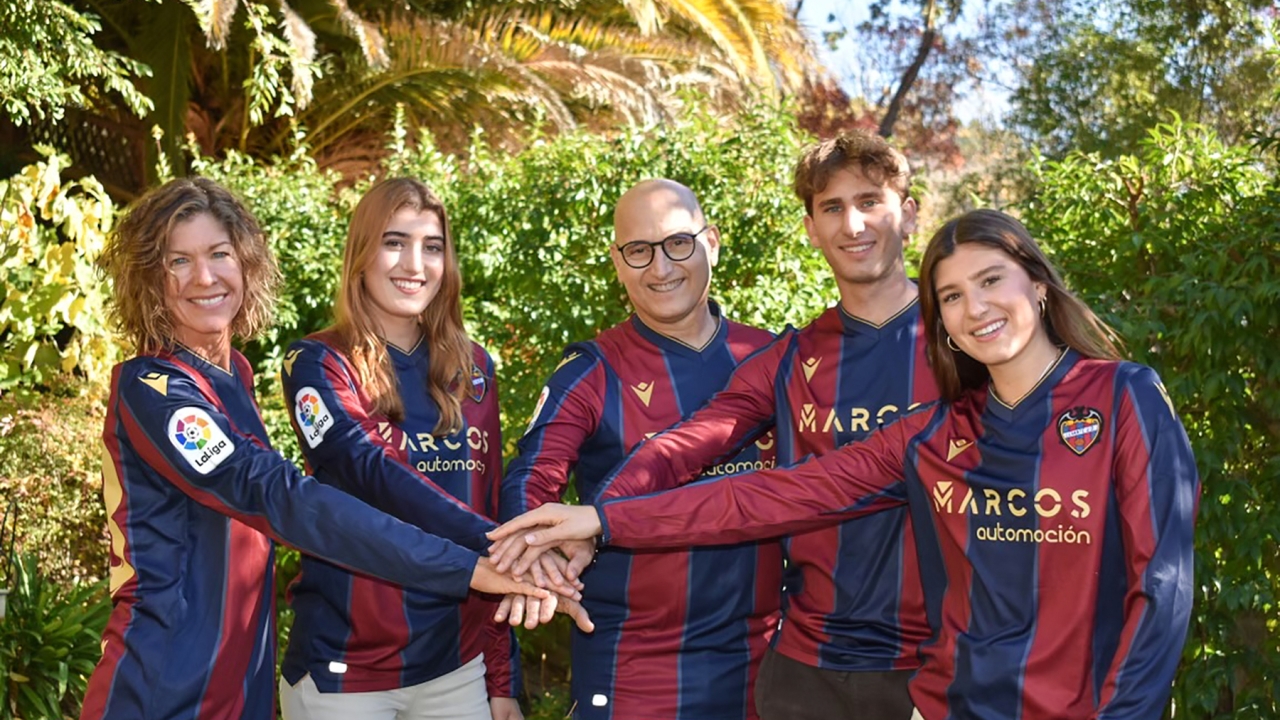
(548, 610)
(533, 611)
(580, 554)
(504, 552)
(504, 608)
(517, 609)
(577, 613)
(533, 518)
(553, 565)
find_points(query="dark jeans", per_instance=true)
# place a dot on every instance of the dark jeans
(790, 690)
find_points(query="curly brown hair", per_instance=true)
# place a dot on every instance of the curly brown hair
(134, 262)
(856, 149)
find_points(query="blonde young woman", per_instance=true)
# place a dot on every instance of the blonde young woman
(196, 498)
(395, 405)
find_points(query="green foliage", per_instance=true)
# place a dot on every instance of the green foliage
(1176, 246)
(51, 464)
(51, 315)
(49, 62)
(1096, 80)
(49, 644)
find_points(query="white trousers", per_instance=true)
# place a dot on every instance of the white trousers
(459, 695)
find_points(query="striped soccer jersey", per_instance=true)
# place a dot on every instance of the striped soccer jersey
(1055, 538)
(355, 633)
(194, 494)
(679, 634)
(853, 598)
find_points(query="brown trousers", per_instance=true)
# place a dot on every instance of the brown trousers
(790, 690)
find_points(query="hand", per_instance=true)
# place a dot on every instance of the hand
(488, 580)
(505, 709)
(551, 523)
(517, 610)
(579, 554)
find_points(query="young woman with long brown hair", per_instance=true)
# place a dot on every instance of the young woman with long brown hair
(395, 405)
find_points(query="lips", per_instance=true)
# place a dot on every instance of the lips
(857, 248)
(209, 301)
(666, 286)
(407, 285)
(989, 329)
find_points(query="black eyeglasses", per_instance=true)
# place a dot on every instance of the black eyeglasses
(679, 246)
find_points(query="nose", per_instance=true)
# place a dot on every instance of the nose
(975, 303)
(662, 265)
(411, 259)
(854, 223)
(202, 272)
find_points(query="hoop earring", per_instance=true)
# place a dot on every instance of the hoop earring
(952, 344)
(1043, 306)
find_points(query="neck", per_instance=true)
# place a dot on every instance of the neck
(216, 350)
(878, 301)
(403, 333)
(695, 329)
(1015, 379)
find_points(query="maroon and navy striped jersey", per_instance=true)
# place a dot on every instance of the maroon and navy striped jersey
(853, 598)
(1055, 538)
(194, 495)
(355, 633)
(679, 634)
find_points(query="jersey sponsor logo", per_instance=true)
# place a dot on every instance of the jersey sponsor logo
(199, 439)
(957, 446)
(1016, 502)
(156, 381)
(1047, 502)
(644, 391)
(474, 437)
(1079, 428)
(289, 358)
(537, 409)
(733, 468)
(313, 416)
(810, 366)
(855, 419)
(478, 383)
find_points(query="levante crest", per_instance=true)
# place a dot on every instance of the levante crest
(478, 383)
(1079, 428)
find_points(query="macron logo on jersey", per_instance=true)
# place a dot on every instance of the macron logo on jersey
(199, 439)
(313, 416)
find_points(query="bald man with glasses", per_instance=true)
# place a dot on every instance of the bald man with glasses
(679, 635)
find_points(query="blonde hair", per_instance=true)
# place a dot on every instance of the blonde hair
(1067, 319)
(853, 150)
(441, 321)
(134, 262)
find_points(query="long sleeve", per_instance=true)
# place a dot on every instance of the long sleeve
(502, 675)
(857, 479)
(567, 414)
(1157, 490)
(363, 455)
(190, 442)
(731, 420)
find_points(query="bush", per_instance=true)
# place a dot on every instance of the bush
(1177, 247)
(49, 644)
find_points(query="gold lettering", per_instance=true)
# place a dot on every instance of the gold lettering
(884, 411)
(1052, 510)
(858, 418)
(1014, 510)
(993, 501)
(942, 493)
(808, 418)
(831, 417)
(451, 444)
(1080, 498)
(766, 442)
(969, 504)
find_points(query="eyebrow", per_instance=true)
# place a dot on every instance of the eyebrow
(398, 234)
(997, 266)
(866, 195)
(211, 248)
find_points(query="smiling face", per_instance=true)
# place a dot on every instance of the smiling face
(990, 307)
(403, 275)
(860, 226)
(205, 286)
(666, 292)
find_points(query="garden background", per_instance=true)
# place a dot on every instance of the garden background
(1139, 141)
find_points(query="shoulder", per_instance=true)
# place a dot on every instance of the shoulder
(752, 338)
(306, 356)
(481, 358)
(146, 374)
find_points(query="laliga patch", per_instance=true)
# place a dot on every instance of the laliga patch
(199, 439)
(313, 416)
(537, 409)
(1079, 428)
(478, 383)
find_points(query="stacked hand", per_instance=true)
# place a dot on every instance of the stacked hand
(542, 602)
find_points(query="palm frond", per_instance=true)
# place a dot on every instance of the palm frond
(301, 47)
(214, 17)
(372, 44)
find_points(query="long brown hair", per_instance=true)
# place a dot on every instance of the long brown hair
(441, 322)
(135, 253)
(1067, 319)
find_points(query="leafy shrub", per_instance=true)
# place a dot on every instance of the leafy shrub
(1177, 247)
(49, 644)
(51, 314)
